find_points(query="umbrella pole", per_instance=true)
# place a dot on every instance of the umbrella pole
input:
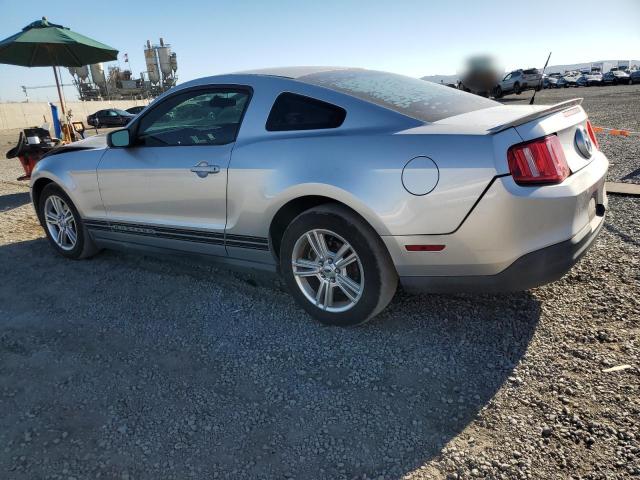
(55, 73)
(66, 135)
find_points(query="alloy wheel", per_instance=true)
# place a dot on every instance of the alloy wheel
(60, 222)
(327, 270)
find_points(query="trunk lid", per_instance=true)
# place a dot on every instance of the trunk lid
(530, 122)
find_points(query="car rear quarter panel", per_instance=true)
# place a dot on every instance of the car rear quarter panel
(362, 169)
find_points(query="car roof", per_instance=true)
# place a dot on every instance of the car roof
(292, 72)
(252, 77)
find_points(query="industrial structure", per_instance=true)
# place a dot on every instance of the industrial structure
(119, 84)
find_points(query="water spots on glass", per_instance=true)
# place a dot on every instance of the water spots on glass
(415, 98)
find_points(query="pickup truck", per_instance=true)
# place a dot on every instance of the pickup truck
(518, 81)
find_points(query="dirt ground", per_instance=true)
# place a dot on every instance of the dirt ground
(126, 367)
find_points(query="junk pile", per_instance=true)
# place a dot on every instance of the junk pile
(33, 144)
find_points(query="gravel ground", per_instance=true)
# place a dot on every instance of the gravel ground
(130, 367)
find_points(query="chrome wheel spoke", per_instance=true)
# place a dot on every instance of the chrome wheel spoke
(318, 244)
(340, 253)
(71, 235)
(319, 294)
(328, 295)
(51, 218)
(324, 296)
(60, 237)
(311, 268)
(349, 287)
(55, 202)
(343, 262)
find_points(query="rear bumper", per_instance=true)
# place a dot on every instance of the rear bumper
(531, 270)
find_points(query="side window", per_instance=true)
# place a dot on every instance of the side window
(112, 113)
(297, 112)
(200, 117)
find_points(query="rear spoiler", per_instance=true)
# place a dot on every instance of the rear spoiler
(558, 107)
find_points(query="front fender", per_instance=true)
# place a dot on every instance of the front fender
(76, 173)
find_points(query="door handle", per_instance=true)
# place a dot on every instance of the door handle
(203, 169)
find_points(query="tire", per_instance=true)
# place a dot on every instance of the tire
(630, 82)
(372, 270)
(498, 92)
(516, 88)
(84, 247)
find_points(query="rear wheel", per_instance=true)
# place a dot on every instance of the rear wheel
(336, 266)
(516, 88)
(63, 225)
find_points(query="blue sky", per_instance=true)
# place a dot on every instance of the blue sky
(411, 37)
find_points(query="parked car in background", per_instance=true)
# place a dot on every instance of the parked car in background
(614, 77)
(589, 79)
(301, 171)
(111, 117)
(518, 81)
(569, 79)
(634, 77)
(136, 110)
(551, 80)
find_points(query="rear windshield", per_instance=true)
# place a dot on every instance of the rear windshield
(415, 98)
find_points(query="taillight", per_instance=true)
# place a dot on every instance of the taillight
(540, 161)
(592, 135)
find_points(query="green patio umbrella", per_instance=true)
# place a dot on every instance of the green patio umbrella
(44, 44)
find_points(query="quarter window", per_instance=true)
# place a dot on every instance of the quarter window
(201, 117)
(297, 112)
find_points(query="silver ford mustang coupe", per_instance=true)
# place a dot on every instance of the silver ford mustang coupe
(346, 181)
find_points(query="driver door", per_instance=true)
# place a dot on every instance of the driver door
(507, 82)
(169, 188)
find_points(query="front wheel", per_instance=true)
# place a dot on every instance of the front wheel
(498, 92)
(336, 266)
(63, 225)
(516, 89)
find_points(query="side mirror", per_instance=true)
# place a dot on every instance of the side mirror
(119, 138)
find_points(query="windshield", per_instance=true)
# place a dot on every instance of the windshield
(419, 99)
